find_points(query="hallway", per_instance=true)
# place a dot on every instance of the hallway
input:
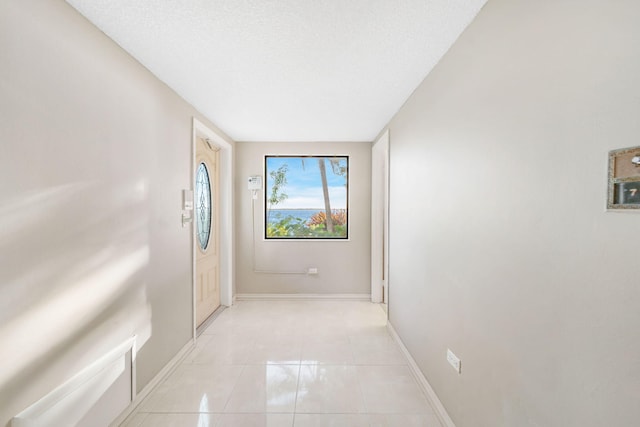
(291, 363)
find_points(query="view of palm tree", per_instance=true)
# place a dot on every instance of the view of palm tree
(306, 197)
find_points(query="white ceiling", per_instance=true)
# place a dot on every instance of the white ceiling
(288, 70)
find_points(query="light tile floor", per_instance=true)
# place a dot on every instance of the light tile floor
(293, 364)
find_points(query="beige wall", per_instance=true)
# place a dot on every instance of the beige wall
(94, 152)
(343, 266)
(501, 249)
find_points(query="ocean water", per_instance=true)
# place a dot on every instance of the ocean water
(304, 214)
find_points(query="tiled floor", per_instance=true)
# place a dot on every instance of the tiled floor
(291, 363)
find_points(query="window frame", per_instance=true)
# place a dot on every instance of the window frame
(266, 209)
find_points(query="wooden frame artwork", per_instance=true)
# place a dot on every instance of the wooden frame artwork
(624, 179)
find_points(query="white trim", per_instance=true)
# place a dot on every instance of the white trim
(380, 218)
(277, 297)
(226, 213)
(159, 378)
(428, 391)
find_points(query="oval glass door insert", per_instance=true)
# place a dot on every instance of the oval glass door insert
(203, 206)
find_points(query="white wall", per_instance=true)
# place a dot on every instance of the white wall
(501, 249)
(343, 266)
(94, 152)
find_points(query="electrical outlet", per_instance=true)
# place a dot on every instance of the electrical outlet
(454, 361)
(312, 271)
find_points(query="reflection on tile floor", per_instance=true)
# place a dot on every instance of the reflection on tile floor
(293, 364)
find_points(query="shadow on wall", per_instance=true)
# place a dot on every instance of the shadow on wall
(73, 265)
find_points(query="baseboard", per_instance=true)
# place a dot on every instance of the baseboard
(330, 297)
(161, 376)
(431, 395)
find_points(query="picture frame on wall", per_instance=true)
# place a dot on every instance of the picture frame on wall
(624, 179)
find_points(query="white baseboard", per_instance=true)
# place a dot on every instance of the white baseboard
(161, 376)
(330, 297)
(431, 395)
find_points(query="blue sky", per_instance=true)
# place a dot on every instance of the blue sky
(304, 185)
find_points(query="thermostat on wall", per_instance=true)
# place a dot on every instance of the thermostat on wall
(255, 182)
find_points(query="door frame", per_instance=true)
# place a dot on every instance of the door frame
(225, 212)
(380, 219)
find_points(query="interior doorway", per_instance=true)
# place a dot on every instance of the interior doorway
(380, 220)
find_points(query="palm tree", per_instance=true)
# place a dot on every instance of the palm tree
(337, 169)
(325, 192)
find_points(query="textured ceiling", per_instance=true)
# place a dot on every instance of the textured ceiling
(288, 70)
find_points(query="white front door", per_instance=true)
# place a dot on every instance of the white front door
(207, 231)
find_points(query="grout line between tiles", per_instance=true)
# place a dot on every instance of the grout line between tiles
(235, 384)
(295, 403)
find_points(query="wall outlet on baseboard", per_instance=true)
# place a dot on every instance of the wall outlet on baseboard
(454, 361)
(312, 270)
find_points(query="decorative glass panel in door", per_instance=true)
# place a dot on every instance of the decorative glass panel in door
(203, 206)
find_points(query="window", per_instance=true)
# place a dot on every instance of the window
(203, 206)
(306, 197)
